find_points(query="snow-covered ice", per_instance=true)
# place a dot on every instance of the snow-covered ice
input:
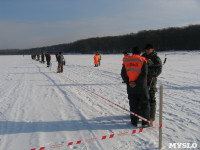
(39, 107)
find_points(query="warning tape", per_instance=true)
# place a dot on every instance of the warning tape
(111, 136)
(151, 122)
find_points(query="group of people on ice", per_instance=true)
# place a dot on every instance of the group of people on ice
(59, 57)
(42, 55)
(140, 73)
(97, 59)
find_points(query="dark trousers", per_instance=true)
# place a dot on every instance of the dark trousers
(152, 91)
(99, 62)
(43, 60)
(48, 63)
(152, 99)
(60, 67)
(139, 104)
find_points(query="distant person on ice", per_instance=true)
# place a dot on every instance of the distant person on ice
(56, 56)
(96, 60)
(38, 57)
(60, 59)
(48, 59)
(33, 56)
(134, 73)
(42, 57)
(99, 58)
(154, 70)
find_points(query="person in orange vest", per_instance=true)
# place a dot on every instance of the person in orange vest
(134, 73)
(96, 60)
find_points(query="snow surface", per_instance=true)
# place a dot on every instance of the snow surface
(39, 107)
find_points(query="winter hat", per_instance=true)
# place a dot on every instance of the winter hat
(136, 50)
(125, 52)
(148, 46)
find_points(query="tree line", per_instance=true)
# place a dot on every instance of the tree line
(173, 38)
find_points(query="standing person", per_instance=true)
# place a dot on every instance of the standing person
(126, 55)
(57, 61)
(96, 60)
(154, 70)
(60, 59)
(99, 59)
(134, 73)
(48, 59)
(34, 56)
(42, 57)
(38, 57)
(56, 56)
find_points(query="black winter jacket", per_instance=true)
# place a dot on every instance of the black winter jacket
(141, 83)
(155, 69)
(60, 58)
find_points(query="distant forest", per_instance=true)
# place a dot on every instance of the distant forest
(174, 38)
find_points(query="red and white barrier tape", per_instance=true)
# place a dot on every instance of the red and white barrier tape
(111, 136)
(151, 122)
(105, 137)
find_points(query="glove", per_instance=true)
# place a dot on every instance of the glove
(132, 84)
(149, 62)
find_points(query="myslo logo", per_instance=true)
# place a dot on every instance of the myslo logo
(182, 145)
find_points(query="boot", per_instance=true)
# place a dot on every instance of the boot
(134, 121)
(152, 113)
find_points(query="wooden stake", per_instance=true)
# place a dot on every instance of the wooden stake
(160, 117)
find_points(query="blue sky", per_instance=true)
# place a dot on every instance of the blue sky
(36, 23)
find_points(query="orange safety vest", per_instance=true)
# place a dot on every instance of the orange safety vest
(133, 66)
(96, 59)
(125, 58)
(144, 59)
